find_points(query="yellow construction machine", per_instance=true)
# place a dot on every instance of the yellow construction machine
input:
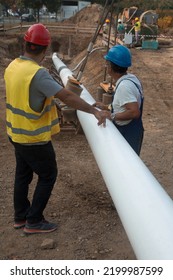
(149, 26)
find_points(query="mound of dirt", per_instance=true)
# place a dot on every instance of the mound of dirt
(88, 16)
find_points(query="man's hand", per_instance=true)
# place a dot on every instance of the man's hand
(102, 116)
(74, 101)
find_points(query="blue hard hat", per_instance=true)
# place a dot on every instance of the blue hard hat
(119, 55)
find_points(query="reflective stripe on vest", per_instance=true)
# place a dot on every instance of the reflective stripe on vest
(24, 125)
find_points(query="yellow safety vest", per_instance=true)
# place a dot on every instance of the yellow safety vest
(24, 125)
(137, 26)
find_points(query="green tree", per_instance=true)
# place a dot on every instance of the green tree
(7, 4)
(53, 6)
(36, 5)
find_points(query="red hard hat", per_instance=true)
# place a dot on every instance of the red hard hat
(38, 34)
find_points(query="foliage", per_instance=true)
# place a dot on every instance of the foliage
(35, 4)
(7, 3)
(53, 5)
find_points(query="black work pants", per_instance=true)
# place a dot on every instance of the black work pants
(41, 160)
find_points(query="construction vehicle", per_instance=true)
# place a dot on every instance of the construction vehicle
(149, 27)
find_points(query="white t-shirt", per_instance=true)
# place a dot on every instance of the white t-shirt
(126, 92)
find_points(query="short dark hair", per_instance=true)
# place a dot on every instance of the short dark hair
(118, 69)
(33, 48)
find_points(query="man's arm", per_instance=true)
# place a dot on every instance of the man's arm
(132, 112)
(73, 100)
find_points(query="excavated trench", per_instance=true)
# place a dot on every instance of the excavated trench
(11, 47)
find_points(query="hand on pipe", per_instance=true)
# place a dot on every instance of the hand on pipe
(102, 116)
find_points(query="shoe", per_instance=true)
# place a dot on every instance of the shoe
(41, 227)
(19, 224)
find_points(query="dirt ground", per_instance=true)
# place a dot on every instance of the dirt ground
(89, 225)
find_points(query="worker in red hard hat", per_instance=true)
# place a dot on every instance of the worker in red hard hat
(31, 121)
(127, 104)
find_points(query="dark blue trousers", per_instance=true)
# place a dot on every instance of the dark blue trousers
(133, 133)
(41, 160)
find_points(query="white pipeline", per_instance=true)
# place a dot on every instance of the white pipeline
(145, 209)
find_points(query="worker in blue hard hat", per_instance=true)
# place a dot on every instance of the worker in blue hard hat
(126, 107)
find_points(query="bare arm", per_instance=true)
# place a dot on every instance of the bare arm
(74, 101)
(132, 112)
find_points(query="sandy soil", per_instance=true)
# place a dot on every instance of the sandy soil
(89, 225)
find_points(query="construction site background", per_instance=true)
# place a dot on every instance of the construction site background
(89, 224)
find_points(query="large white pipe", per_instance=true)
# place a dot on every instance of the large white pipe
(145, 209)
